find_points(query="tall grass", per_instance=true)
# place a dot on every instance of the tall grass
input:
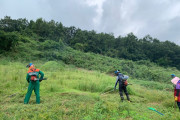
(74, 93)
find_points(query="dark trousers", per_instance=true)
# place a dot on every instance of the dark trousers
(121, 89)
(178, 103)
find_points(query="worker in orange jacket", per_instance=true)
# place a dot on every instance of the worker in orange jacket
(33, 79)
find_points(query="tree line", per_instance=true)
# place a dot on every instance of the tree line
(128, 47)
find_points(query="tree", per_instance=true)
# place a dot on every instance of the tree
(8, 41)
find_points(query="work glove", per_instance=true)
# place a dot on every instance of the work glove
(176, 98)
(41, 79)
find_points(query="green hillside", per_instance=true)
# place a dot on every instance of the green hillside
(81, 75)
(129, 47)
(28, 49)
(75, 93)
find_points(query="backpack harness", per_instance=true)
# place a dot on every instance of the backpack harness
(123, 79)
(33, 73)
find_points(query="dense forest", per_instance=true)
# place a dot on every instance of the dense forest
(129, 47)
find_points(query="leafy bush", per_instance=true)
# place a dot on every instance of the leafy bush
(53, 66)
(8, 41)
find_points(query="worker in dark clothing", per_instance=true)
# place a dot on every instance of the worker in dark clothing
(122, 85)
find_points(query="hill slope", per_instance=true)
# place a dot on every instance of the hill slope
(127, 47)
(72, 93)
(28, 49)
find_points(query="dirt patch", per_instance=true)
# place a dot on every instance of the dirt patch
(153, 103)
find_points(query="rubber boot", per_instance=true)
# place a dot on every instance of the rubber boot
(122, 97)
(128, 98)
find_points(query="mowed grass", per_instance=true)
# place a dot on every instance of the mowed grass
(76, 94)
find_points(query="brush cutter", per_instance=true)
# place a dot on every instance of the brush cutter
(155, 111)
(108, 92)
(40, 79)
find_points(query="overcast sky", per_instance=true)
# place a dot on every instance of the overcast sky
(158, 18)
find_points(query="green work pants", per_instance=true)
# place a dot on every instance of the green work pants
(33, 86)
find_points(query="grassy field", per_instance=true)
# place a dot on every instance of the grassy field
(77, 94)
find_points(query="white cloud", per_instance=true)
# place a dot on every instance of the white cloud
(99, 10)
(142, 17)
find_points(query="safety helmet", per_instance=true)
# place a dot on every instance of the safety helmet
(116, 72)
(29, 65)
(173, 75)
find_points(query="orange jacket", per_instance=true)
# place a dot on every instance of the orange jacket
(33, 69)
